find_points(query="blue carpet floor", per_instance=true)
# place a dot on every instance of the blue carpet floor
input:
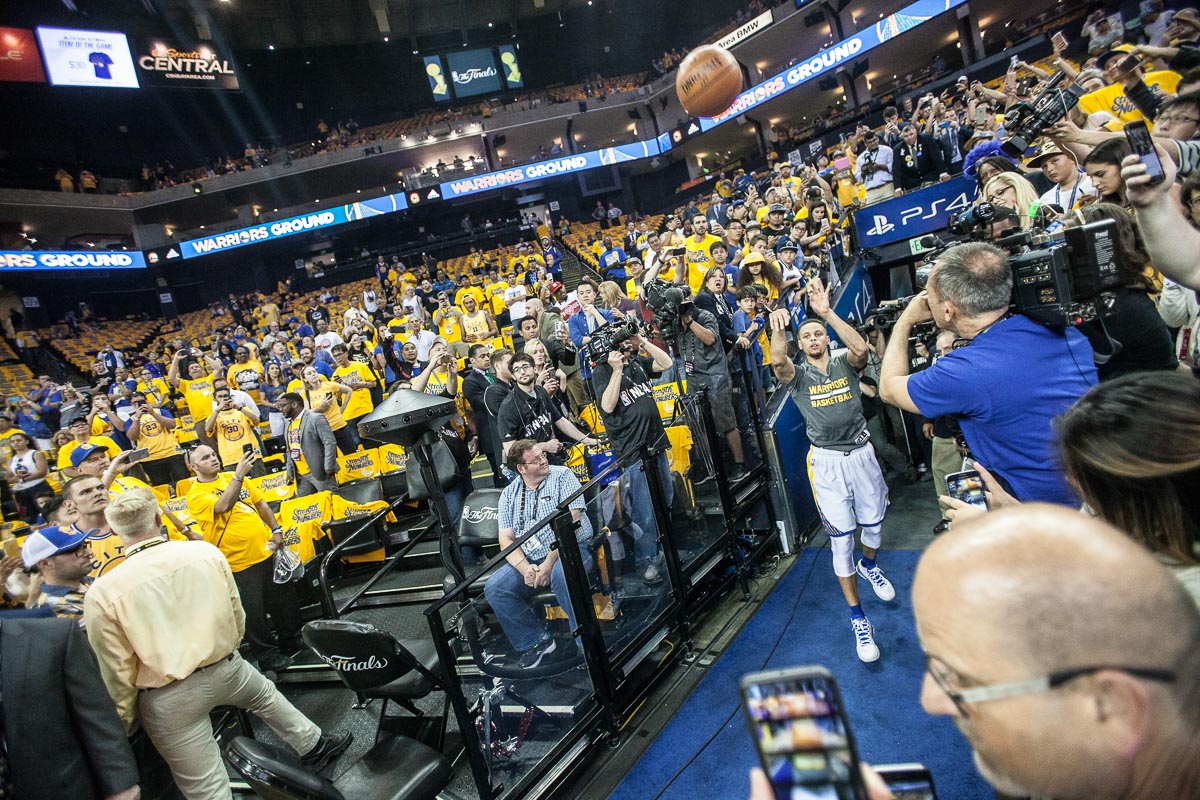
(705, 751)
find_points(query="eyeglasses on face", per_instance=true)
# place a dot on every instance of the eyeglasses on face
(538, 459)
(965, 697)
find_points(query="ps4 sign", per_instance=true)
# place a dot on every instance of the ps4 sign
(913, 214)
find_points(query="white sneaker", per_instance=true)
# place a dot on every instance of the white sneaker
(879, 582)
(864, 640)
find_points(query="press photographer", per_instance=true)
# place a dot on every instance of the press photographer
(705, 367)
(623, 384)
(1005, 382)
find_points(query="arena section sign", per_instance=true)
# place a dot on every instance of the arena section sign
(548, 169)
(831, 58)
(741, 34)
(87, 58)
(199, 66)
(269, 231)
(36, 260)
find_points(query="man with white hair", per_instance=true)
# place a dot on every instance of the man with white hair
(166, 626)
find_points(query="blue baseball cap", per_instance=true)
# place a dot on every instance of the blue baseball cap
(81, 453)
(50, 541)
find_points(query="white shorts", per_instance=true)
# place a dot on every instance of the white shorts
(848, 487)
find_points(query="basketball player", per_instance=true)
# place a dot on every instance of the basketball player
(846, 480)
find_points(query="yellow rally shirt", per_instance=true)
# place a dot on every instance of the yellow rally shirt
(353, 376)
(239, 533)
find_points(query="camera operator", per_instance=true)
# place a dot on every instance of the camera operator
(624, 386)
(874, 169)
(705, 367)
(1006, 422)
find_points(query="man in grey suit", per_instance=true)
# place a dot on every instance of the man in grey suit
(55, 701)
(311, 447)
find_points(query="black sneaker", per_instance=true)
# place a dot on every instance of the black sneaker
(534, 655)
(274, 663)
(326, 750)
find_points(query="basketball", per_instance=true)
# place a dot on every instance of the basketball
(708, 81)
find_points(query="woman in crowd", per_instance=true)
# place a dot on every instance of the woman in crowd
(1130, 448)
(273, 385)
(1144, 342)
(549, 376)
(714, 297)
(612, 298)
(27, 471)
(1103, 166)
(439, 376)
(1013, 191)
(72, 402)
(358, 350)
(225, 352)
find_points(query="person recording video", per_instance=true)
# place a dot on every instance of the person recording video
(1006, 422)
(623, 384)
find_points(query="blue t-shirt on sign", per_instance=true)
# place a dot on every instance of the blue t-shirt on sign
(100, 65)
(1006, 388)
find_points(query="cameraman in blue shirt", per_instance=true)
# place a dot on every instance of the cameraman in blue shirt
(1007, 378)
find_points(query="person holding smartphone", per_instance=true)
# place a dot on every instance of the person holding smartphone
(152, 427)
(846, 478)
(231, 427)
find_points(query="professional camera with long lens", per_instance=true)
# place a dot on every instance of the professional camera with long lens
(1027, 120)
(668, 301)
(609, 338)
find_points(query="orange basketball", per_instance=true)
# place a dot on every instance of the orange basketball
(708, 81)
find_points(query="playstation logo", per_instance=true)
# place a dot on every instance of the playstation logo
(881, 226)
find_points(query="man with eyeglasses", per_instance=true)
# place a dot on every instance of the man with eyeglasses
(63, 557)
(1065, 653)
(528, 413)
(524, 503)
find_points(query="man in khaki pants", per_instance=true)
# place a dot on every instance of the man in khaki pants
(165, 625)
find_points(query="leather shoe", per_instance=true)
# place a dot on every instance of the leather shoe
(326, 750)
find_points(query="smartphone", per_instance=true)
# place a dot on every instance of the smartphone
(1059, 40)
(140, 454)
(1130, 63)
(981, 116)
(908, 781)
(968, 487)
(803, 738)
(12, 548)
(1138, 136)
(247, 449)
(1012, 62)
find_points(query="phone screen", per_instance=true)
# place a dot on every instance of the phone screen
(908, 781)
(803, 739)
(1138, 136)
(967, 486)
(1059, 40)
(138, 455)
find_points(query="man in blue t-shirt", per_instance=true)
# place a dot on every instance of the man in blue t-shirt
(1010, 382)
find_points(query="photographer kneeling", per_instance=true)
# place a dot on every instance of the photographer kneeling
(626, 392)
(1007, 379)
